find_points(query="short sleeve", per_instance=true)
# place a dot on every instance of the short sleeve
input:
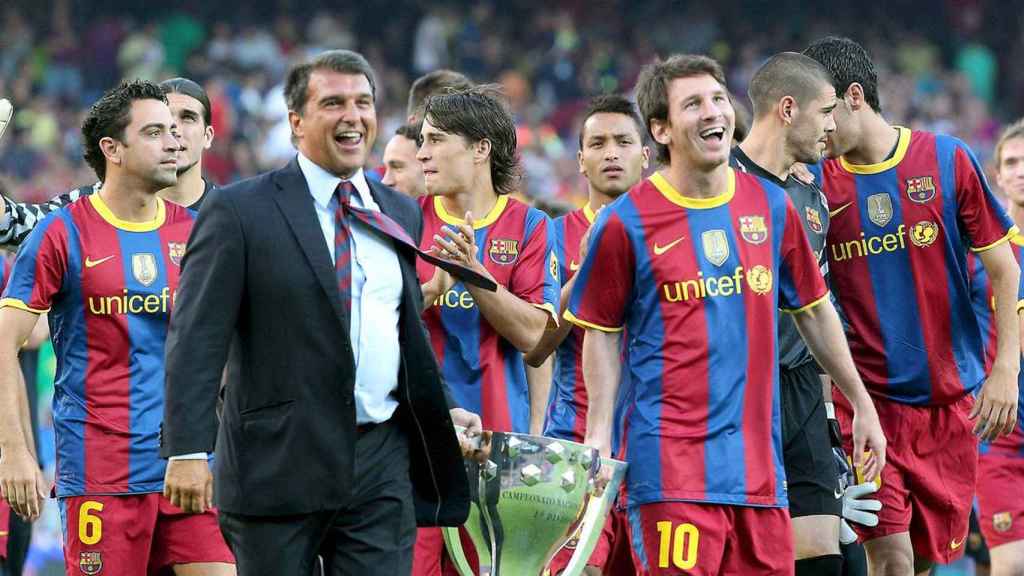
(535, 276)
(604, 281)
(984, 219)
(801, 285)
(38, 273)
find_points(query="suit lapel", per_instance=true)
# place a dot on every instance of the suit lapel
(296, 203)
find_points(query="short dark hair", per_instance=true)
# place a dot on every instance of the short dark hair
(189, 88)
(431, 83)
(109, 117)
(786, 74)
(612, 104)
(847, 62)
(742, 113)
(410, 131)
(652, 87)
(477, 114)
(296, 86)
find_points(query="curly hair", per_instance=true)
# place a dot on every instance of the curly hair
(109, 117)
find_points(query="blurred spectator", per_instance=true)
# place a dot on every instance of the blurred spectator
(550, 57)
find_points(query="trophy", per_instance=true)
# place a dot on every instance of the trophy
(528, 499)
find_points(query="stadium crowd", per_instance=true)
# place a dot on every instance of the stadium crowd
(951, 72)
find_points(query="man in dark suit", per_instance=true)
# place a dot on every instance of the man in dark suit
(336, 437)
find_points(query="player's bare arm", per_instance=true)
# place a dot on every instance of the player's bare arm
(519, 322)
(602, 365)
(996, 406)
(538, 379)
(21, 481)
(822, 330)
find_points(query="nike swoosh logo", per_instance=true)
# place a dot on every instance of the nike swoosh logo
(834, 213)
(573, 265)
(91, 263)
(659, 250)
(954, 544)
(838, 494)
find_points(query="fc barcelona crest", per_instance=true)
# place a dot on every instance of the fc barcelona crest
(921, 189)
(880, 208)
(553, 266)
(503, 251)
(813, 219)
(144, 268)
(176, 251)
(716, 246)
(753, 229)
(90, 563)
(1002, 521)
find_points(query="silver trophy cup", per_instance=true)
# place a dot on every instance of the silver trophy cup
(528, 500)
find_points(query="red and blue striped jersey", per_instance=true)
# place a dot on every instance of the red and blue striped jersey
(897, 243)
(566, 417)
(108, 287)
(696, 284)
(484, 372)
(984, 305)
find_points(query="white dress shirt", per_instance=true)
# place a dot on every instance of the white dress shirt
(376, 294)
(376, 297)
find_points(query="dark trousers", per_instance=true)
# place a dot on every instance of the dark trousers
(373, 535)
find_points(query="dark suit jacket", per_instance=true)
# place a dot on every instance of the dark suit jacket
(258, 289)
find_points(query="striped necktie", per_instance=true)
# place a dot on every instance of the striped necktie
(384, 225)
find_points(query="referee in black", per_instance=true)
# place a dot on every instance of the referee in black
(793, 100)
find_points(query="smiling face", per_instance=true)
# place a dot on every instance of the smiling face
(613, 156)
(338, 123)
(149, 149)
(812, 124)
(700, 122)
(196, 136)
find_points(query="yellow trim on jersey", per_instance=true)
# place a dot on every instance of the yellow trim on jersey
(18, 304)
(568, 315)
(1009, 236)
(550, 309)
(669, 192)
(108, 215)
(902, 144)
(484, 222)
(1018, 239)
(805, 307)
(590, 214)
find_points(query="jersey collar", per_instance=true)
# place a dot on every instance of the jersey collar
(104, 211)
(672, 195)
(479, 223)
(902, 143)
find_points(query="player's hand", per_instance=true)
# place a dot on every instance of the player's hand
(868, 442)
(995, 409)
(458, 245)
(604, 450)
(474, 441)
(857, 508)
(801, 173)
(22, 483)
(188, 484)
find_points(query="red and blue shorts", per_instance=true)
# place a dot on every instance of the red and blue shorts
(136, 534)
(697, 539)
(611, 554)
